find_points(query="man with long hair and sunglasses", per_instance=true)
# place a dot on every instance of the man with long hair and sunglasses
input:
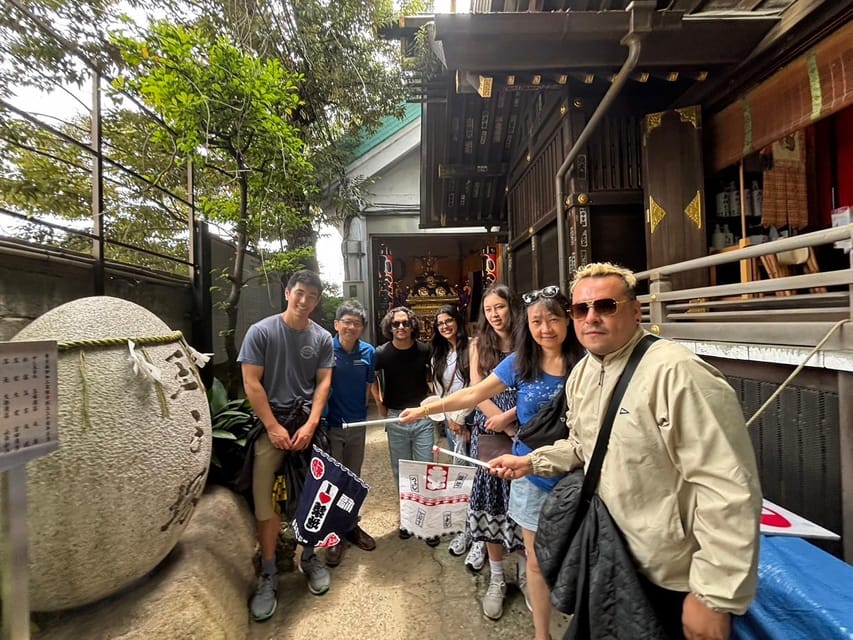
(403, 363)
(679, 477)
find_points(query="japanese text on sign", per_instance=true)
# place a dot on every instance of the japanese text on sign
(28, 401)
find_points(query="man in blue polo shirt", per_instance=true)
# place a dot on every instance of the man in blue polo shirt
(353, 376)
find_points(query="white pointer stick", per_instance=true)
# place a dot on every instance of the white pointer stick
(479, 463)
(367, 423)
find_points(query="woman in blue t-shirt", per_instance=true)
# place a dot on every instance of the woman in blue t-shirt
(546, 350)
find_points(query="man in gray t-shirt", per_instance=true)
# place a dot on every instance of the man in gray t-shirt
(284, 358)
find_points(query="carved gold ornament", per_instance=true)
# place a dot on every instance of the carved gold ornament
(694, 210)
(656, 214)
(689, 115)
(653, 121)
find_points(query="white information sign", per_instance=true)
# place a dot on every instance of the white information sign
(28, 405)
(778, 521)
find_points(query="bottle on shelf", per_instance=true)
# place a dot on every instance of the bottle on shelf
(718, 239)
(734, 200)
(722, 202)
(729, 237)
(747, 201)
(757, 198)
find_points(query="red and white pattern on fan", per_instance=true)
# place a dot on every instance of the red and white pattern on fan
(330, 540)
(436, 477)
(317, 468)
(434, 497)
(776, 520)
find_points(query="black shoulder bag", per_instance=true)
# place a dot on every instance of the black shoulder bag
(548, 425)
(582, 553)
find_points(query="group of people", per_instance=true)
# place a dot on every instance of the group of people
(679, 477)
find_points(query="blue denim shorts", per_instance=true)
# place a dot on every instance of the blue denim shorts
(525, 503)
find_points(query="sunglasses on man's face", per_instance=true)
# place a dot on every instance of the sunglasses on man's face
(602, 307)
(400, 324)
(532, 296)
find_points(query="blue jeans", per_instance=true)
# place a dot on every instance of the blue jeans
(525, 503)
(409, 441)
(455, 440)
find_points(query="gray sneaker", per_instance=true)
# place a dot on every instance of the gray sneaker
(316, 574)
(458, 545)
(476, 557)
(493, 601)
(265, 599)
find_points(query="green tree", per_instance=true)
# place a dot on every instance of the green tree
(349, 79)
(43, 175)
(232, 113)
(340, 79)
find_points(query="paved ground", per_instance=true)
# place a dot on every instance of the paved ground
(404, 590)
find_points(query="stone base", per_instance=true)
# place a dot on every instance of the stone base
(199, 591)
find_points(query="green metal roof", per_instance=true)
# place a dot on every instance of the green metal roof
(387, 128)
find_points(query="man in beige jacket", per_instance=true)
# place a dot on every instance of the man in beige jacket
(679, 477)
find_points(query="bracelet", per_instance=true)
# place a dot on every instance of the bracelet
(426, 411)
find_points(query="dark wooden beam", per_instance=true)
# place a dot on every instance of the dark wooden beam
(687, 6)
(804, 23)
(703, 43)
(747, 5)
(539, 42)
(452, 171)
(406, 27)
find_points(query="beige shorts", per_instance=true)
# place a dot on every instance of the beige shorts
(267, 461)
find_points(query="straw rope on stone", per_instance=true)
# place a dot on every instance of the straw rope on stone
(112, 342)
(193, 356)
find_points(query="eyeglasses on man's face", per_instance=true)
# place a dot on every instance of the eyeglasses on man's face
(351, 324)
(400, 324)
(602, 307)
(548, 292)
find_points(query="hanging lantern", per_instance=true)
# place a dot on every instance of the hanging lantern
(490, 265)
(386, 275)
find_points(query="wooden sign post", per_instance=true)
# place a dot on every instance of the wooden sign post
(28, 429)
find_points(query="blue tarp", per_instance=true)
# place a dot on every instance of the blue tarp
(803, 594)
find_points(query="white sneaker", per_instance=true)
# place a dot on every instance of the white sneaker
(458, 545)
(522, 586)
(493, 601)
(476, 557)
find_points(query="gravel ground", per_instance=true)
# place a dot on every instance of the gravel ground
(402, 590)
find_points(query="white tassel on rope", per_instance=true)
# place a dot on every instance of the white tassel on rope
(198, 357)
(141, 366)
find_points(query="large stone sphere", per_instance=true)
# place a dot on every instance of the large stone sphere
(112, 501)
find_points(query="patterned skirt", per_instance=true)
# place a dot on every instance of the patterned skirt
(487, 510)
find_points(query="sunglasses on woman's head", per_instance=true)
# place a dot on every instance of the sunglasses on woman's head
(548, 292)
(400, 324)
(602, 307)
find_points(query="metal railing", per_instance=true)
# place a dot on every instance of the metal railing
(795, 310)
